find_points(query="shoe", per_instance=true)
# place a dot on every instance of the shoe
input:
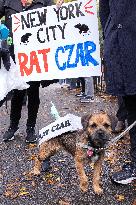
(126, 176)
(46, 165)
(87, 99)
(120, 126)
(82, 94)
(9, 134)
(31, 136)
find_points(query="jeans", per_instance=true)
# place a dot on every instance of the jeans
(89, 87)
(33, 105)
(61, 81)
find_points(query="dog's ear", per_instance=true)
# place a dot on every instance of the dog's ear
(85, 120)
(113, 120)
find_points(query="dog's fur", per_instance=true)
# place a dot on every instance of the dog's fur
(97, 129)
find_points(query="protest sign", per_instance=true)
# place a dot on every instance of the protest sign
(53, 43)
(69, 123)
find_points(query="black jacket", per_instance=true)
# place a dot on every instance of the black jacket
(118, 19)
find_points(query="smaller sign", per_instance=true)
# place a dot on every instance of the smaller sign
(69, 123)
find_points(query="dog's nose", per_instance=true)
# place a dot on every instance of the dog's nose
(100, 131)
(101, 135)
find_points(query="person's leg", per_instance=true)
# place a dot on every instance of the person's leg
(130, 103)
(89, 90)
(16, 107)
(73, 83)
(82, 84)
(61, 81)
(121, 115)
(25, 99)
(68, 80)
(33, 106)
(89, 87)
(128, 173)
(122, 112)
(15, 114)
(82, 93)
(78, 82)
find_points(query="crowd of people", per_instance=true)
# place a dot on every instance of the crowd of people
(119, 28)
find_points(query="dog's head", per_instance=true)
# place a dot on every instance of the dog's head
(98, 129)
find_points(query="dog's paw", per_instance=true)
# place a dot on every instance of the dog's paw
(84, 186)
(98, 190)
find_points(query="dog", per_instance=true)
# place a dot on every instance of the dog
(84, 145)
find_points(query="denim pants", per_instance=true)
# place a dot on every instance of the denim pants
(71, 82)
(89, 86)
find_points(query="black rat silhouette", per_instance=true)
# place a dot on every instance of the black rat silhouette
(25, 38)
(83, 28)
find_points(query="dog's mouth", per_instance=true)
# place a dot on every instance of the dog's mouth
(96, 146)
(98, 140)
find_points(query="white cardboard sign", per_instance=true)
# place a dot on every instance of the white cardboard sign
(64, 124)
(57, 44)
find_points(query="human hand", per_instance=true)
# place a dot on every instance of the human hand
(59, 3)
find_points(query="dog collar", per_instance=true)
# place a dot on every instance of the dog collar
(91, 151)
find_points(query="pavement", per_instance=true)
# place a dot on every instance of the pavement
(60, 186)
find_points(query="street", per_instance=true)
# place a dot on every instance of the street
(60, 186)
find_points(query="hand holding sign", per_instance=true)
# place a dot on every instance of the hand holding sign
(59, 3)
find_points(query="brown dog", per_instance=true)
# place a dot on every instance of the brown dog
(84, 145)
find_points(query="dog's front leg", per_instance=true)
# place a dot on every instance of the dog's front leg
(38, 161)
(37, 167)
(80, 170)
(46, 150)
(97, 175)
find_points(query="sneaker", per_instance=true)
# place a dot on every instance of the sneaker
(120, 126)
(126, 176)
(82, 94)
(31, 136)
(87, 99)
(46, 165)
(9, 134)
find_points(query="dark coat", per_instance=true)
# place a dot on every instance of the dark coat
(118, 19)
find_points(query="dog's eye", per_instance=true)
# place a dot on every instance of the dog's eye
(106, 125)
(93, 125)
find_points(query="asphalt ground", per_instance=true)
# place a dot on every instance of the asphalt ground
(60, 186)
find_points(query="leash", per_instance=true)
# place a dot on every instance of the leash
(116, 139)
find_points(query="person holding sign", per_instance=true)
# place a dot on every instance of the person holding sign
(119, 27)
(7, 8)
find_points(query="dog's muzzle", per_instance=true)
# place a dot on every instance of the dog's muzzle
(99, 139)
